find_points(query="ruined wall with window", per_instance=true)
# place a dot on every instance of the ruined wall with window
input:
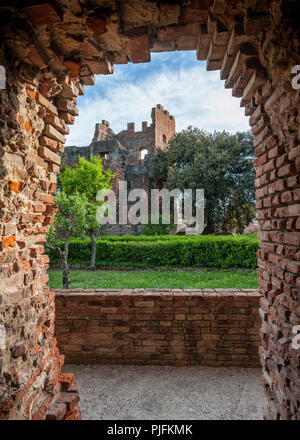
(128, 154)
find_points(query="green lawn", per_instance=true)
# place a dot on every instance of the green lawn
(181, 279)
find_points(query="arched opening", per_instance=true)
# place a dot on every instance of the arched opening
(142, 153)
(40, 99)
(105, 155)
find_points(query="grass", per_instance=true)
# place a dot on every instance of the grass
(180, 279)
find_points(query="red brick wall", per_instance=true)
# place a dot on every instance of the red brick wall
(159, 327)
(32, 134)
(29, 359)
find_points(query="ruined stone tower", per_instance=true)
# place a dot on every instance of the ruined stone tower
(128, 154)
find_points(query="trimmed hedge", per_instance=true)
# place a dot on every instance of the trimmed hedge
(181, 251)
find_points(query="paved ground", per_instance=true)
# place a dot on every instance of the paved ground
(143, 393)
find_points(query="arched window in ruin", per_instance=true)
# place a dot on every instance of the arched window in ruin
(164, 139)
(104, 155)
(142, 153)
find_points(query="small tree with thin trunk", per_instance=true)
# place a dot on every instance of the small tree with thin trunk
(71, 220)
(92, 227)
(88, 178)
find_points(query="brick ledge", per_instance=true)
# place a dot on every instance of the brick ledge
(214, 293)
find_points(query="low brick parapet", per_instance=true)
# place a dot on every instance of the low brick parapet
(209, 327)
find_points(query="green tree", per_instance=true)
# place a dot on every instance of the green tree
(71, 220)
(88, 178)
(222, 164)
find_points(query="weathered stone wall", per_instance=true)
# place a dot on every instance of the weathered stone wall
(277, 171)
(32, 133)
(121, 153)
(29, 359)
(159, 327)
(129, 142)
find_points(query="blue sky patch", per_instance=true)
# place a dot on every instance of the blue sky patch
(175, 80)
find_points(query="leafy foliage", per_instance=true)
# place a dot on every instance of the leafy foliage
(221, 164)
(192, 251)
(71, 215)
(88, 178)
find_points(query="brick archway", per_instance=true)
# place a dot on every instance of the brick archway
(50, 53)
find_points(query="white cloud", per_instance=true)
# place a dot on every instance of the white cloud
(193, 95)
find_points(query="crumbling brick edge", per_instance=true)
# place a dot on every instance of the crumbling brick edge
(65, 404)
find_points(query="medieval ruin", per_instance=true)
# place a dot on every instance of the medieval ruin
(50, 51)
(128, 155)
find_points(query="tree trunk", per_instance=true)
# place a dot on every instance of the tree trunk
(67, 246)
(65, 270)
(64, 265)
(93, 259)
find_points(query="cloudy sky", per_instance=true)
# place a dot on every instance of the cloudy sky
(175, 80)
